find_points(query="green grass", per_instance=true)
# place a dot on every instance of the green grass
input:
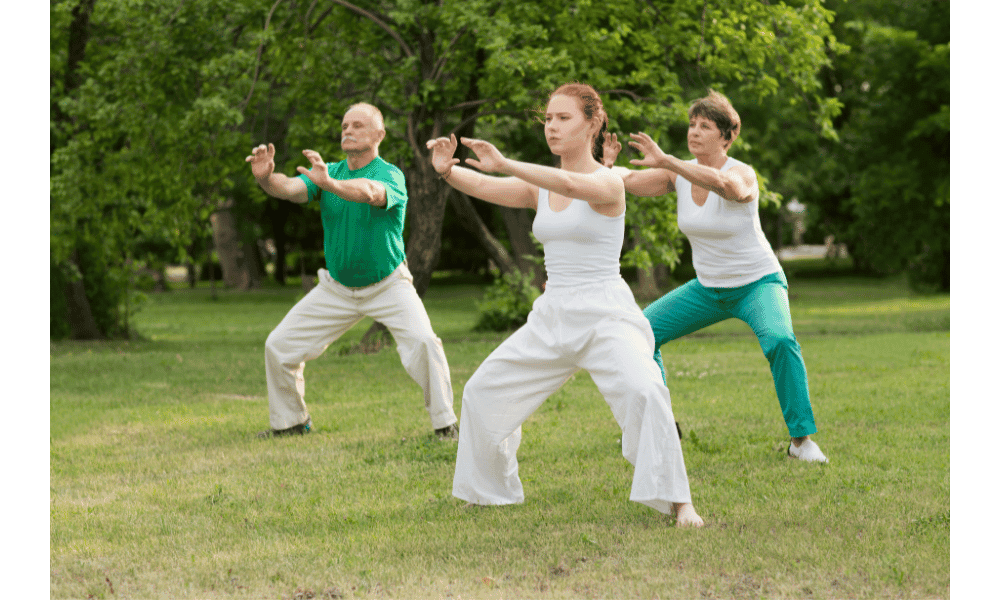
(158, 488)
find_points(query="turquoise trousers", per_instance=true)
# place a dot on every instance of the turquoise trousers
(763, 305)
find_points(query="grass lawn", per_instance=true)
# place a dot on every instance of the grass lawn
(159, 489)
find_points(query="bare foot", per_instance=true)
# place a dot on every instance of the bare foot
(686, 517)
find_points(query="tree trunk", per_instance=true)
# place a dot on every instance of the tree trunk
(240, 269)
(647, 289)
(376, 338)
(471, 222)
(279, 216)
(428, 197)
(518, 222)
(308, 281)
(81, 320)
(80, 317)
(662, 273)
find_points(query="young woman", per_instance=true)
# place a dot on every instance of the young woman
(586, 318)
(738, 275)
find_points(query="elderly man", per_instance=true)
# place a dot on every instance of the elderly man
(363, 205)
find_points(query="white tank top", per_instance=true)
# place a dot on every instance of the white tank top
(581, 245)
(728, 246)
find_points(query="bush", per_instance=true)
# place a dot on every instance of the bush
(507, 302)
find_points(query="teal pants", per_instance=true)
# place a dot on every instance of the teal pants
(763, 305)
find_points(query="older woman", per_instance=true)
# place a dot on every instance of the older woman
(586, 318)
(738, 275)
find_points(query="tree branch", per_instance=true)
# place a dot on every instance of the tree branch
(439, 66)
(260, 52)
(482, 114)
(631, 94)
(436, 71)
(464, 105)
(378, 21)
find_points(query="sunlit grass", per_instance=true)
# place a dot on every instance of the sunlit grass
(160, 490)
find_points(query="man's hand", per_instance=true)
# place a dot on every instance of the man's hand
(490, 159)
(261, 161)
(611, 149)
(318, 172)
(443, 154)
(652, 155)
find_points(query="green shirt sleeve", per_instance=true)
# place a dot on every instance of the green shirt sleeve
(395, 188)
(312, 190)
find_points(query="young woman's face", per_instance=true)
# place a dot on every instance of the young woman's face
(566, 127)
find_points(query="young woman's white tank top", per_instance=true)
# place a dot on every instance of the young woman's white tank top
(728, 246)
(582, 246)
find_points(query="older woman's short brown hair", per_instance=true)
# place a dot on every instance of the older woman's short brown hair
(716, 108)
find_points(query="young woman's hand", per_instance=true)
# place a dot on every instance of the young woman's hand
(490, 160)
(443, 154)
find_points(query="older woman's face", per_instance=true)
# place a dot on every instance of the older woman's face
(704, 136)
(566, 127)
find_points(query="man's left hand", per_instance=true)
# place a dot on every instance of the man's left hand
(318, 173)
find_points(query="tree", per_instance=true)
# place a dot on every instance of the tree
(156, 117)
(884, 189)
(177, 92)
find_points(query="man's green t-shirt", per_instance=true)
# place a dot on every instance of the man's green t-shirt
(363, 244)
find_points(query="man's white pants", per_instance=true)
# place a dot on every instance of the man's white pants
(326, 313)
(598, 328)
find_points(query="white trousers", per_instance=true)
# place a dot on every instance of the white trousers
(598, 328)
(326, 313)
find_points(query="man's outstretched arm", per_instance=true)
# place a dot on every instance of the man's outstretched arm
(261, 161)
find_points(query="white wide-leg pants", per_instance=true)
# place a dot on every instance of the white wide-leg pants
(326, 313)
(598, 328)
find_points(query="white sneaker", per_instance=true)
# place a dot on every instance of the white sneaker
(809, 451)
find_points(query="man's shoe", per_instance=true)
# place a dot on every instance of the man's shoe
(809, 451)
(447, 433)
(300, 429)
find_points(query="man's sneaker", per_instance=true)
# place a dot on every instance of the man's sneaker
(447, 433)
(300, 429)
(809, 451)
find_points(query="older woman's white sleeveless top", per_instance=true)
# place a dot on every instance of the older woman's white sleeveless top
(728, 246)
(582, 246)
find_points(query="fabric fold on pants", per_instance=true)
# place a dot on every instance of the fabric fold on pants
(598, 328)
(327, 312)
(763, 305)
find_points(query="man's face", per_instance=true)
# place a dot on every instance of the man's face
(358, 133)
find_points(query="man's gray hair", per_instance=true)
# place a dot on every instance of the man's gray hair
(372, 110)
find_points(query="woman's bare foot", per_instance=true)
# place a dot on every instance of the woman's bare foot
(686, 517)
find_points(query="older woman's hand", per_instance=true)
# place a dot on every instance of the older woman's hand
(652, 155)
(611, 149)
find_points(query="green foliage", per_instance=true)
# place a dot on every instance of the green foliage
(172, 94)
(884, 189)
(507, 302)
(148, 143)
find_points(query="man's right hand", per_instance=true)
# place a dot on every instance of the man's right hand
(261, 161)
